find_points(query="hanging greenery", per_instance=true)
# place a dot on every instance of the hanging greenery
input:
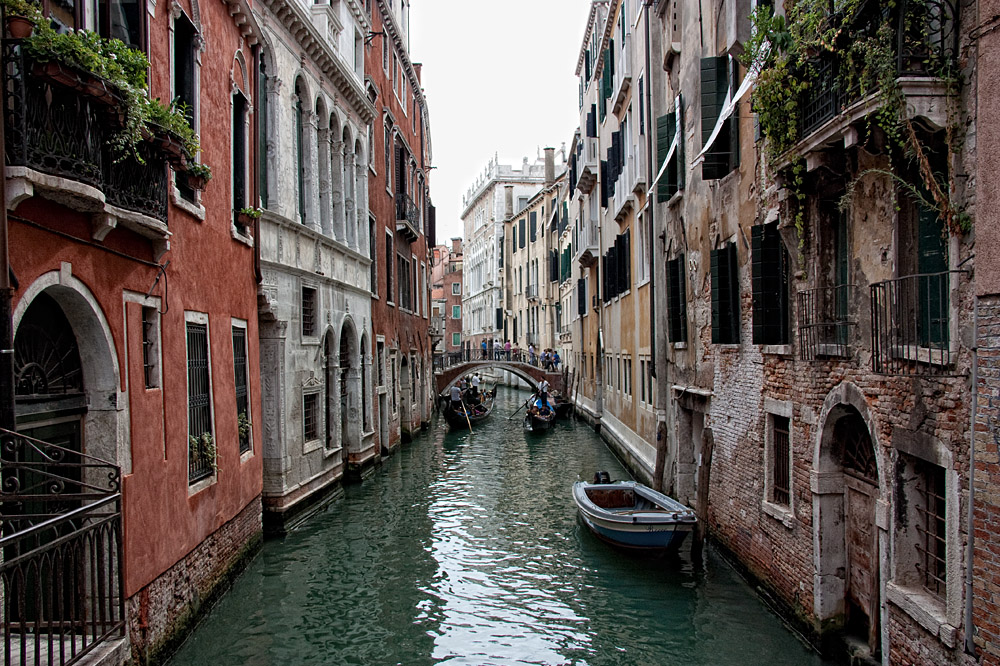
(855, 52)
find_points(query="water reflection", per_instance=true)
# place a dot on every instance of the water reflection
(465, 549)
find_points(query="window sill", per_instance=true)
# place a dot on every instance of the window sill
(918, 354)
(247, 455)
(190, 207)
(329, 453)
(777, 350)
(680, 345)
(202, 484)
(675, 198)
(782, 514)
(311, 445)
(925, 610)
(246, 239)
(310, 340)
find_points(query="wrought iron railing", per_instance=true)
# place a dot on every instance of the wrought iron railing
(825, 324)
(911, 325)
(60, 123)
(926, 44)
(407, 210)
(61, 539)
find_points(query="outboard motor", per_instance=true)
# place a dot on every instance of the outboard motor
(601, 477)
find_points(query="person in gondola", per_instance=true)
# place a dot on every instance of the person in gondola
(475, 385)
(456, 398)
(543, 391)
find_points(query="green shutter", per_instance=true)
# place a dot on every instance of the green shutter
(714, 86)
(725, 295)
(769, 269)
(933, 285)
(664, 136)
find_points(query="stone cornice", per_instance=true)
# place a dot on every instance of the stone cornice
(293, 18)
(392, 30)
(358, 11)
(594, 6)
(609, 27)
(245, 21)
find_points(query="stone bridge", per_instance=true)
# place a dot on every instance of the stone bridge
(529, 373)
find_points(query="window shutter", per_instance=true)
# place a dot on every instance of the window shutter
(664, 137)
(757, 284)
(680, 167)
(520, 225)
(734, 294)
(714, 78)
(581, 292)
(932, 260)
(769, 267)
(499, 317)
(676, 297)
(534, 226)
(725, 304)
(604, 184)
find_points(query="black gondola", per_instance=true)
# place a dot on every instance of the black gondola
(477, 410)
(539, 419)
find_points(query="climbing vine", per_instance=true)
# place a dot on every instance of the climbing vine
(855, 52)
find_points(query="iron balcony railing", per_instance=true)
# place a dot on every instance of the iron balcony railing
(531, 292)
(407, 216)
(60, 122)
(926, 44)
(911, 325)
(61, 539)
(825, 323)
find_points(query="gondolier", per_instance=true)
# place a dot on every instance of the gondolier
(456, 398)
(543, 391)
(475, 384)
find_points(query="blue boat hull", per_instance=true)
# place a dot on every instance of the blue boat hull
(631, 515)
(665, 539)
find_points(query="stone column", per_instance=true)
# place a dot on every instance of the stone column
(337, 188)
(323, 178)
(352, 428)
(350, 204)
(361, 200)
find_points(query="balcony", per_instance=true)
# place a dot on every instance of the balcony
(628, 183)
(59, 124)
(912, 325)
(531, 292)
(407, 217)
(623, 75)
(61, 540)
(590, 162)
(825, 324)
(925, 33)
(587, 249)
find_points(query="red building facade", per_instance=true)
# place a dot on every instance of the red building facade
(134, 312)
(401, 223)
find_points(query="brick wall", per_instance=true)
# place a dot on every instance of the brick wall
(161, 614)
(986, 578)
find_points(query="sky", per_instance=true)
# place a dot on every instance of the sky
(499, 78)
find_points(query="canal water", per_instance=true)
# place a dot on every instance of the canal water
(466, 549)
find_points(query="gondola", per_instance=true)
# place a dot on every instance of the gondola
(562, 406)
(539, 419)
(477, 412)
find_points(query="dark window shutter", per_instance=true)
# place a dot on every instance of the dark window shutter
(758, 270)
(592, 122)
(714, 86)
(581, 293)
(932, 288)
(725, 295)
(604, 184)
(769, 269)
(520, 242)
(664, 136)
(534, 226)
(499, 318)
(676, 300)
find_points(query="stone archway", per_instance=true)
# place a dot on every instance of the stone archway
(849, 520)
(350, 388)
(64, 306)
(405, 399)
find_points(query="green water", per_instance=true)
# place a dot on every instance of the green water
(466, 549)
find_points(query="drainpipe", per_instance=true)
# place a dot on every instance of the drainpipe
(7, 418)
(970, 646)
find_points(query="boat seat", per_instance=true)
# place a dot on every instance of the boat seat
(612, 498)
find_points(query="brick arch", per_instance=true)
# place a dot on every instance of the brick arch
(528, 373)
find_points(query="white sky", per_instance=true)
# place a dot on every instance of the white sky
(499, 79)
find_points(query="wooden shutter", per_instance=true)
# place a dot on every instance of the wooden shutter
(664, 136)
(714, 86)
(581, 293)
(933, 286)
(676, 300)
(592, 122)
(604, 184)
(769, 268)
(534, 226)
(725, 295)
(520, 243)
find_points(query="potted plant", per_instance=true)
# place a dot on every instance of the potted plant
(198, 175)
(246, 216)
(204, 447)
(244, 425)
(171, 131)
(21, 17)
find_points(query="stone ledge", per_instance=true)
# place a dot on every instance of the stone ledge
(924, 610)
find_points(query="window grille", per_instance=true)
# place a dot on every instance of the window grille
(308, 312)
(781, 487)
(200, 453)
(932, 543)
(310, 416)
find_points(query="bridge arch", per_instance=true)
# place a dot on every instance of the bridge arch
(529, 373)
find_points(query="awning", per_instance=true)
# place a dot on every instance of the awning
(732, 100)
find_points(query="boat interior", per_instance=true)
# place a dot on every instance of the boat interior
(619, 498)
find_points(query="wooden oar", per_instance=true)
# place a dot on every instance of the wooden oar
(521, 407)
(466, 412)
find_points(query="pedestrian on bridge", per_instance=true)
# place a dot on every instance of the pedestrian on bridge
(483, 345)
(506, 348)
(531, 353)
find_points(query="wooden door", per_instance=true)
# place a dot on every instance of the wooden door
(862, 559)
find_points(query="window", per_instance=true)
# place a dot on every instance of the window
(151, 347)
(240, 164)
(522, 203)
(201, 445)
(404, 282)
(617, 264)
(456, 288)
(520, 228)
(718, 74)
(769, 264)
(380, 362)
(725, 296)
(393, 389)
(263, 129)
(372, 252)
(385, 53)
(534, 226)
(923, 252)
(242, 391)
(309, 314)
(185, 80)
(670, 147)
(310, 417)
(676, 300)
(389, 254)
(456, 312)
(301, 172)
(627, 375)
(388, 154)
(581, 295)
(922, 525)
(780, 460)
(456, 339)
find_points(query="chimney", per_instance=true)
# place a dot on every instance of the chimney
(550, 166)
(456, 245)
(417, 66)
(508, 200)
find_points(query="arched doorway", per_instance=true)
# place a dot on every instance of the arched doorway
(405, 398)
(848, 590)
(332, 398)
(350, 388)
